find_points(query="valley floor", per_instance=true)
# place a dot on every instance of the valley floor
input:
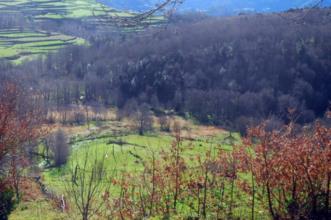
(124, 150)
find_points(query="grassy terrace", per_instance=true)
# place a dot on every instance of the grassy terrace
(18, 44)
(54, 9)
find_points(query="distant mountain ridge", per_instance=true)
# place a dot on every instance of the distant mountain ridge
(219, 7)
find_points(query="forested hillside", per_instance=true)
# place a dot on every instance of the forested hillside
(222, 71)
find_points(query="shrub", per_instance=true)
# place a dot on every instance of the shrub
(164, 123)
(60, 148)
(6, 203)
(293, 167)
(79, 118)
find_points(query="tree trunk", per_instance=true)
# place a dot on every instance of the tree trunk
(327, 197)
(231, 199)
(271, 210)
(204, 207)
(253, 197)
(85, 215)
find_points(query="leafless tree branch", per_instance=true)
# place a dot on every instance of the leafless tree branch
(166, 8)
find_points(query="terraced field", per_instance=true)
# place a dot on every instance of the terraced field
(18, 46)
(20, 43)
(91, 11)
(54, 9)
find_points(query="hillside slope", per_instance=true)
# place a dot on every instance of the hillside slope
(29, 28)
(53, 9)
(218, 70)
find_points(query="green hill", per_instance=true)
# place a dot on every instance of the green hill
(54, 9)
(27, 38)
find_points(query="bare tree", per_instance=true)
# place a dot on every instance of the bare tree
(164, 123)
(19, 127)
(85, 184)
(128, 110)
(143, 119)
(60, 148)
(299, 18)
(165, 7)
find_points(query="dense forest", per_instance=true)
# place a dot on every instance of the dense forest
(236, 70)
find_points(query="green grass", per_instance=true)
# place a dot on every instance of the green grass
(59, 9)
(53, 9)
(37, 210)
(18, 46)
(120, 157)
(123, 157)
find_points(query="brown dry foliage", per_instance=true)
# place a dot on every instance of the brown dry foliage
(294, 169)
(18, 125)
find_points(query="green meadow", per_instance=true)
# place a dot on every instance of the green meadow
(126, 152)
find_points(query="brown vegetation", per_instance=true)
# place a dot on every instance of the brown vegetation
(18, 127)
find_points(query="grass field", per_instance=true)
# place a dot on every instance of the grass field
(129, 155)
(125, 151)
(37, 210)
(123, 146)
